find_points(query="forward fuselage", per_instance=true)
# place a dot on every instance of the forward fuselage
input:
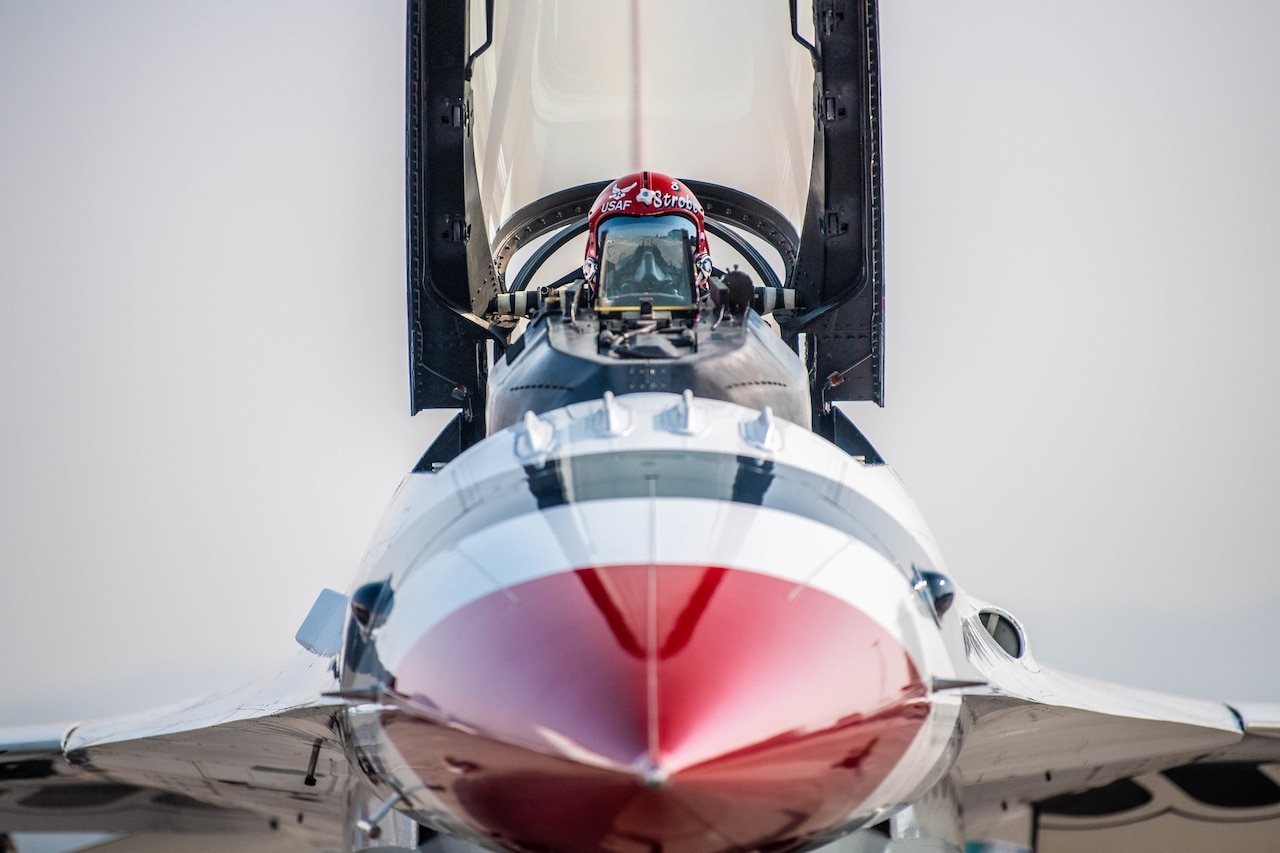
(650, 619)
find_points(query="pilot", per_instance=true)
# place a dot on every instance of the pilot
(645, 235)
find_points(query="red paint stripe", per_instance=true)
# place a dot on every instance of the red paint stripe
(776, 717)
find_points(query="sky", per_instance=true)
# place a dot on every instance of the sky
(203, 389)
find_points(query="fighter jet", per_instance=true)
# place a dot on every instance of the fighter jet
(651, 589)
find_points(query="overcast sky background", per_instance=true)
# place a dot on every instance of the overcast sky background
(203, 389)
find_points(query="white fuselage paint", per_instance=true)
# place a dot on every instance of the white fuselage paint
(436, 565)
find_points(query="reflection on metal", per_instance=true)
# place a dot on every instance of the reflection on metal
(933, 821)
(1231, 805)
(940, 684)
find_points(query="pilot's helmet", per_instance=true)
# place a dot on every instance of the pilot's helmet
(635, 201)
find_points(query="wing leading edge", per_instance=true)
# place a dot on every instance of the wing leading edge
(262, 768)
(1059, 763)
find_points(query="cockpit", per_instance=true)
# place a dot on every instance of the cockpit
(646, 258)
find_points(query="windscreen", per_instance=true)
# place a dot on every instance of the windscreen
(576, 91)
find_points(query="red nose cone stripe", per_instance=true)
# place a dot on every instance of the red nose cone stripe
(768, 715)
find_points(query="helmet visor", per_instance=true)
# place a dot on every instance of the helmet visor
(646, 257)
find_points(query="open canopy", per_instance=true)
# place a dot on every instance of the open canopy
(574, 92)
(520, 111)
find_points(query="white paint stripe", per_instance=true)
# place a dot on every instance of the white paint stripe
(694, 532)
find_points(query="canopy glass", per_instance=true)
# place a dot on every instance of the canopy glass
(569, 93)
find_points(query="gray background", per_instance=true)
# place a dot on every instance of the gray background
(203, 390)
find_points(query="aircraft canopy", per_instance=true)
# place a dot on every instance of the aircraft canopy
(572, 92)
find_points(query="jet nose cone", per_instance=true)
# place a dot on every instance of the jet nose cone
(698, 708)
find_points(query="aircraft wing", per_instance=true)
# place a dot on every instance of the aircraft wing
(1063, 763)
(261, 769)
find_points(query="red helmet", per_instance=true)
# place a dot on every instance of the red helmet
(645, 194)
